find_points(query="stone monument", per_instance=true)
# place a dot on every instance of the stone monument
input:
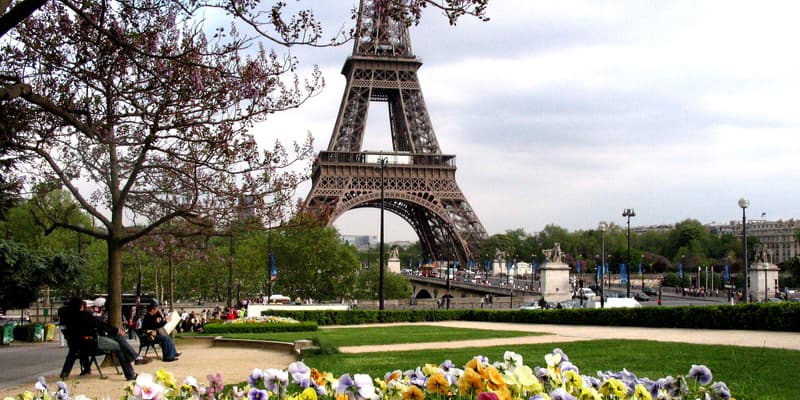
(554, 276)
(393, 264)
(763, 275)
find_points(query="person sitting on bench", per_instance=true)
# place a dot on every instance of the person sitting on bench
(153, 321)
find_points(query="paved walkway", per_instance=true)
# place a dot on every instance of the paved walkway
(200, 359)
(571, 333)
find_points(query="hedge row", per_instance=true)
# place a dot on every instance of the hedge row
(770, 316)
(216, 327)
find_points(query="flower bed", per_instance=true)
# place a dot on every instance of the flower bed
(260, 324)
(479, 379)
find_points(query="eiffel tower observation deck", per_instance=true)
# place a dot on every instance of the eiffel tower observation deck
(418, 181)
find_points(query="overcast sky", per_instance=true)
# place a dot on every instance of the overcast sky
(567, 112)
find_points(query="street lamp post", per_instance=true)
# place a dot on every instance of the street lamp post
(628, 212)
(382, 162)
(641, 261)
(744, 203)
(602, 227)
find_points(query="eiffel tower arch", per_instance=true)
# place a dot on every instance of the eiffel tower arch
(419, 181)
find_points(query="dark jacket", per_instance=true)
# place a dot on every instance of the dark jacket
(153, 322)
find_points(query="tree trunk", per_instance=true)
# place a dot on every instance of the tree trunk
(114, 300)
(171, 285)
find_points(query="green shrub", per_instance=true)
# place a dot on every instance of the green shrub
(755, 316)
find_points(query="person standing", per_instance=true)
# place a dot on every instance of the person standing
(74, 332)
(154, 320)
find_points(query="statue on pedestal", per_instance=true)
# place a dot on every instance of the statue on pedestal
(554, 255)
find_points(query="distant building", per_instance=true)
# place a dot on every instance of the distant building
(780, 237)
(360, 242)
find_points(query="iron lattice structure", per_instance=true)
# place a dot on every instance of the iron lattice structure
(419, 181)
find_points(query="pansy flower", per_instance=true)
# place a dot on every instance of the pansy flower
(438, 384)
(413, 393)
(257, 394)
(276, 380)
(700, 373)
(561, 394)
(469, 383)
(300, 373)
(256, 376)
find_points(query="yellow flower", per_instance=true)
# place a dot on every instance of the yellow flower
(553, 360)
(493, 378)
(342, 396)
(614, 386)
(469, 383)
(503, 393)
(574, 380)
(413, 393)
(476, 365)
(430, 369)
(590, 393)
(437, 383)
(165, 378)
(641, 393)
(525, 377)
(308, 394)
(26, 395)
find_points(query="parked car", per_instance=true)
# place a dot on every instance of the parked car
(650, 291)
(641, 296)
(534, 305)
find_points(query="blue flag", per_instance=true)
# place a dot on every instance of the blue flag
(726, 275)
(640, 268)
(680, 270)
(273, 268)
(578, 266)
(623, 273)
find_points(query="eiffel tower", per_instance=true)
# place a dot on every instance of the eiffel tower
(418, 180)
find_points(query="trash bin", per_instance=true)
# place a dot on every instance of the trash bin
(38, 333)
(8, 332)
(50, 331)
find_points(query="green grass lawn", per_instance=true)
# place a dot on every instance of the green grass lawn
(341, 337)
(751, 373)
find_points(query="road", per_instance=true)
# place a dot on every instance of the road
(24, 362)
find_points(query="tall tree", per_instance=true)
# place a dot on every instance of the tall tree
(144, 118)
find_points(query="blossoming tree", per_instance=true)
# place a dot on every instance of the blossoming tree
(143, 113)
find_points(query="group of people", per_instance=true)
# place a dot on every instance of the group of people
(192, 322)
(87, 333)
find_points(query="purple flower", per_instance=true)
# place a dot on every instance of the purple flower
(345, 382)
(561, 394)
(275, 380)
(300, 373)
(41, 384)
(257, 394)
(541, 373)
(591, 381)
(568, 366)
(721, 390)
(447, 364)
(416, 377)
(364, 387)
(256, 376)
(700, 373)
